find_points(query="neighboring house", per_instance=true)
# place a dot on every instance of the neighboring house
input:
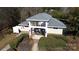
(41, 23)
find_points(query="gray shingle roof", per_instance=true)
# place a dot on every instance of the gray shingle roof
(52, 22)
(25, 23)
(56, 23)
(40, 17)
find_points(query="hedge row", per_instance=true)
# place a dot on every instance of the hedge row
(52, 41)
(16, 41)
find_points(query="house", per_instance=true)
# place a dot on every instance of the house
(41, 23)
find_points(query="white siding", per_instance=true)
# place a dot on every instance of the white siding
(21, 28)
(55, 31)
(24, 29)
(49, 31)
(16, 29)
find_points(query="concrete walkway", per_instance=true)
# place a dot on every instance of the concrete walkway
(36, 40)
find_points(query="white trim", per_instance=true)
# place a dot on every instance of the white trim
(38, 27)
(36, 20)
(46, 29)
(29, 29)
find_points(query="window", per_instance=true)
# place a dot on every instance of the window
(37, 23)
(55, 27)
(26, 26)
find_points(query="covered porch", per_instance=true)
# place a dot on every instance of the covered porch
(38, 30)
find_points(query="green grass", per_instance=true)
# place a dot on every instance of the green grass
(17, 40)
(52, 41)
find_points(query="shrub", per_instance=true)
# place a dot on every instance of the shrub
(52, 41)
(16, 41)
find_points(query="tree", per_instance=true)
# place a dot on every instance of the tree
(74, 20)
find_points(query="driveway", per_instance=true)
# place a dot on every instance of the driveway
(35, 42)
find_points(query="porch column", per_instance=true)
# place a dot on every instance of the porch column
(29, 29)
(46, 29)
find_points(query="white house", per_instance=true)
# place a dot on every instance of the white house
(41, 23)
